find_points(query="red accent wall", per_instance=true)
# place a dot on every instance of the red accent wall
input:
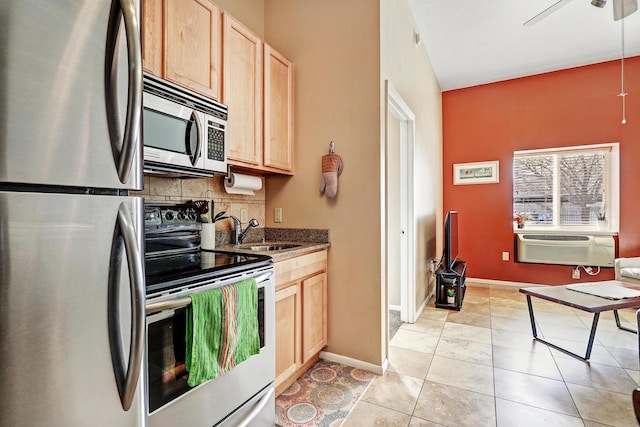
(570, 107)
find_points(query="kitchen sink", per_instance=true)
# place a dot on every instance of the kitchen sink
(267, 247)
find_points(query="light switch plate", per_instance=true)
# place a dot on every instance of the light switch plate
(505, 256)
(277, 214)
(244, 215)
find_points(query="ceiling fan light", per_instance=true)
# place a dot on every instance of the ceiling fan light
(598, 3)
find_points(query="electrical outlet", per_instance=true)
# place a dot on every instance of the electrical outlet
(505, 256)
(575, 273)
(277, 214)
(244, 215)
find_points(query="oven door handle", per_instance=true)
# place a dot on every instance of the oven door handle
(126, 376)
(170, 304)
(255, 411)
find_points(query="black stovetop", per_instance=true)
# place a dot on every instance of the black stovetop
(171, 272)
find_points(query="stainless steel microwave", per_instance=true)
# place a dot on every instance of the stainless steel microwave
(184, 133)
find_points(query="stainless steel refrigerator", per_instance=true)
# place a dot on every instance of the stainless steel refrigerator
(71, 270)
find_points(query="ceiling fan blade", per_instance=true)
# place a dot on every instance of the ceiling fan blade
(623, 8)
(548, 11)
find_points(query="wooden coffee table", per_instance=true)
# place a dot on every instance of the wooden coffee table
(590, 303)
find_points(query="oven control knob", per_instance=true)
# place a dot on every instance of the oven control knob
(168, 216)
(192, 216)
(182, 216)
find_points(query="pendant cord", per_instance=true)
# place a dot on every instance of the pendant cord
(622, 93)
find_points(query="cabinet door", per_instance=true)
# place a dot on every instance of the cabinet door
(278, 110)
(288, 312)
(242, 92)
(314, 315)
(152, 36)
(192, 45)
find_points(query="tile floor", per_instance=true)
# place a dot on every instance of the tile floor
(480, 367)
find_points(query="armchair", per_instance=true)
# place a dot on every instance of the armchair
(628, 270)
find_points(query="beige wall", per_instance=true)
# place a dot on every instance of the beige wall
(334, 45)
(249, 12)
(409, 70)
(342, 54)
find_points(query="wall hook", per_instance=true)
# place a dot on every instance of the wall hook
(332, 147)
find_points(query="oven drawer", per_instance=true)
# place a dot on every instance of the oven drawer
(260, 411)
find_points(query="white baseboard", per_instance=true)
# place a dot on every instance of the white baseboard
(422, 307)
(501, 282)
(355, 363)
(395, 307)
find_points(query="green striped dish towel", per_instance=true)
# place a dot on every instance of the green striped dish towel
(221, 330)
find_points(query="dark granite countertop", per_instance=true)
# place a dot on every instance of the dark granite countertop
(300, 249)
(306, 240)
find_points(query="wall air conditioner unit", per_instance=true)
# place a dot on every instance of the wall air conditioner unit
(566, 249)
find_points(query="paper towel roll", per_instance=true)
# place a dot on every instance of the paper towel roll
(243, 184)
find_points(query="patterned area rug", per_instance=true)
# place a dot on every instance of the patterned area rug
(323, 396)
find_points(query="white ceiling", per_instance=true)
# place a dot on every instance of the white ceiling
(472, 42)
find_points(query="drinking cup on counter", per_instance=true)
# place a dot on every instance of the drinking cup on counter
(208, 235)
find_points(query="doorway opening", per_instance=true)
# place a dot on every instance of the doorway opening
(399, 212)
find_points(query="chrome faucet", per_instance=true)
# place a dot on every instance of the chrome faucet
(239, 235)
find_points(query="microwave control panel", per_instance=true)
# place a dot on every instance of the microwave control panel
(215, 142)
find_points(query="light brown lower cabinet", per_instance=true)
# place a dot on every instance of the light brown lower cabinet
(301, 315)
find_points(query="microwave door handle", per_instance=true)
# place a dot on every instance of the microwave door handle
(126, 376)
(126, 146)
(195, 156)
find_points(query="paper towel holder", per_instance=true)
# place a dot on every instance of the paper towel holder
(228, 177)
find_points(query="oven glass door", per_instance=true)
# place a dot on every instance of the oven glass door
(167, 376)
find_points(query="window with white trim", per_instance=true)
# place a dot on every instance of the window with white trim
(568, 188)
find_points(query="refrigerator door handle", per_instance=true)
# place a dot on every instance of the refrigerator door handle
(125, 147)
(126, 376)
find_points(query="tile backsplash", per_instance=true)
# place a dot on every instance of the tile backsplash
(179, 190)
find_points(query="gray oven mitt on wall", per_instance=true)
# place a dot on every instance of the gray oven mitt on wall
(331, 169)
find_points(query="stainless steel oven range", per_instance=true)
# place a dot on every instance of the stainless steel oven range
(176, 268)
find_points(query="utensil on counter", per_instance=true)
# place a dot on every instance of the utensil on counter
(219, 216)
(202, 205)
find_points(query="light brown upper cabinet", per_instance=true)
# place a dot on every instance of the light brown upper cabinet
(258, 88)
(152, 36)
(278, 111)
(182, 43)
(242, 92)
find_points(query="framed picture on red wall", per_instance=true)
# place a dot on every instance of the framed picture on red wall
(476, 173)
